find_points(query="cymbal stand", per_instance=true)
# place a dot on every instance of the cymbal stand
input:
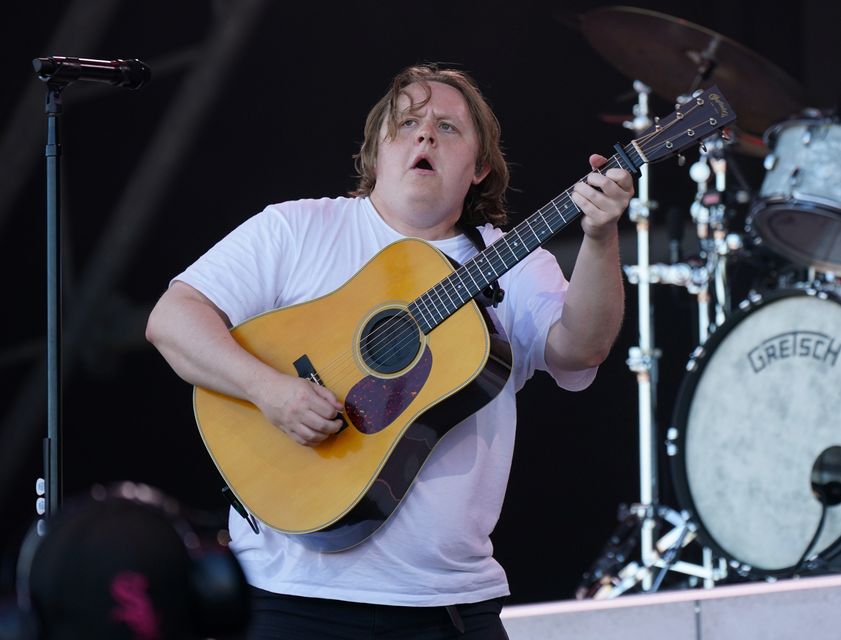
(700, 172)
(659, 555)
(642, 359)
(709, 214)
(718, 162)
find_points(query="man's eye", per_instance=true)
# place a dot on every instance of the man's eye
(409, 122)
(446, 126)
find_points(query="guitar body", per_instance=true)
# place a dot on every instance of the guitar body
(400, 400)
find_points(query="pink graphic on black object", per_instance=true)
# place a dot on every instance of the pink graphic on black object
(134, 607)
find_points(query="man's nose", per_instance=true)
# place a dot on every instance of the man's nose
(426, 134)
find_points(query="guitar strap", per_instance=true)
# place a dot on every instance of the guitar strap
(493, 294)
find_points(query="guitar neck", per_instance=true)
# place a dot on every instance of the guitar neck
(465, 283)
(697, 118)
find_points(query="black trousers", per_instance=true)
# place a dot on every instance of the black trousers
(282, 617)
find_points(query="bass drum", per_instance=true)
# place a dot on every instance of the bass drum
(760, 404)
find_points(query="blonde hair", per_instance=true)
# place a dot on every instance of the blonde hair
(484, 202)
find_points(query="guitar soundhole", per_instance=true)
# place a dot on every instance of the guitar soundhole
(390, 341)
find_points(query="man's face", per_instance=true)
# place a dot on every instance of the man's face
(424, 172)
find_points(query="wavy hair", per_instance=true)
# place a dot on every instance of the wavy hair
(484, 202)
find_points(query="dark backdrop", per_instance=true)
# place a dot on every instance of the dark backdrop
(152, 178)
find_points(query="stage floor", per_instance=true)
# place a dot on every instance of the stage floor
(783, 610)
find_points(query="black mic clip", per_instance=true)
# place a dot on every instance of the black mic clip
(62, 70)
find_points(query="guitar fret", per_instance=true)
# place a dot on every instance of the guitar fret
(499, 255)
(433, 307)
(486, 274)
(461, 288)
(417, 315)
(560, 213)
(634, 156)
(545, 224)
(568, 194)
(440, 304)
(528, 224)
(476, 286)
(479, 275)
(443, 286)
(505, 242)
(518, 244)
(421, 299)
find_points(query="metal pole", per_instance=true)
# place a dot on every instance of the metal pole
(642, 358)
(52, 443)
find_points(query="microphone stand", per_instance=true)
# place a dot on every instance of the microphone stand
(58, 72)
(49, 488)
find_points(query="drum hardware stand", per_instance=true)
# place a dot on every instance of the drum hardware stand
(709, 214)
(668, 548)
(821, 279)
(642, 360)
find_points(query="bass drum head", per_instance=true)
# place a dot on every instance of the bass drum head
(760, 404)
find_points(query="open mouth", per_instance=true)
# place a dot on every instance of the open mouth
(423, 164)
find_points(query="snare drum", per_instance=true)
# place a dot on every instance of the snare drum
(798, 213)
(760, 404)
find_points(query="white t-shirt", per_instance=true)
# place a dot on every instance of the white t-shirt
(435, 549)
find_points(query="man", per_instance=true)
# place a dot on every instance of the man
(431, 159)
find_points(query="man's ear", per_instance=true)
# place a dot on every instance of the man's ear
(481, 173)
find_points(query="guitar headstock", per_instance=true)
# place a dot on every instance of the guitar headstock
(698, 118)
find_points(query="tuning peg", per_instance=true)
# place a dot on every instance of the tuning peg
(681, 159)
(703, 147)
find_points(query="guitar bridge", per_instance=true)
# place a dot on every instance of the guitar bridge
(307, 371)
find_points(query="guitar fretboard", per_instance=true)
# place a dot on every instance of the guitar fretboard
(438, 303)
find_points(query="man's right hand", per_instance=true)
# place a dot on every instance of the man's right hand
(305, 411)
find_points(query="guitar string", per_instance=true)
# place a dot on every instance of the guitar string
(407, 334)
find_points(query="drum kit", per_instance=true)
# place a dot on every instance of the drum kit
(754, 445)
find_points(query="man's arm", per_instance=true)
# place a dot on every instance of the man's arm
(595, 300)
(193, 336)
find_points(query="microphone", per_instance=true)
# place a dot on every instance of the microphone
(131, 74)
(826, 477)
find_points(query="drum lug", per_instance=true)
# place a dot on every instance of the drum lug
(742, 569)
(696, 354)
(671, 442)
(754, 298)
(794, 180)
(770, 162)
(806, 138)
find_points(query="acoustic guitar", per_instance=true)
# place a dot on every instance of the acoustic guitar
(409, 353)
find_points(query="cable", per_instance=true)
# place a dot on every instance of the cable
(813, 541)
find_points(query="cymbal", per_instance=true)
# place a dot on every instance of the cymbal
(667, 54)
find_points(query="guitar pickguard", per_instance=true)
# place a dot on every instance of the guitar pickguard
(374, 403)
